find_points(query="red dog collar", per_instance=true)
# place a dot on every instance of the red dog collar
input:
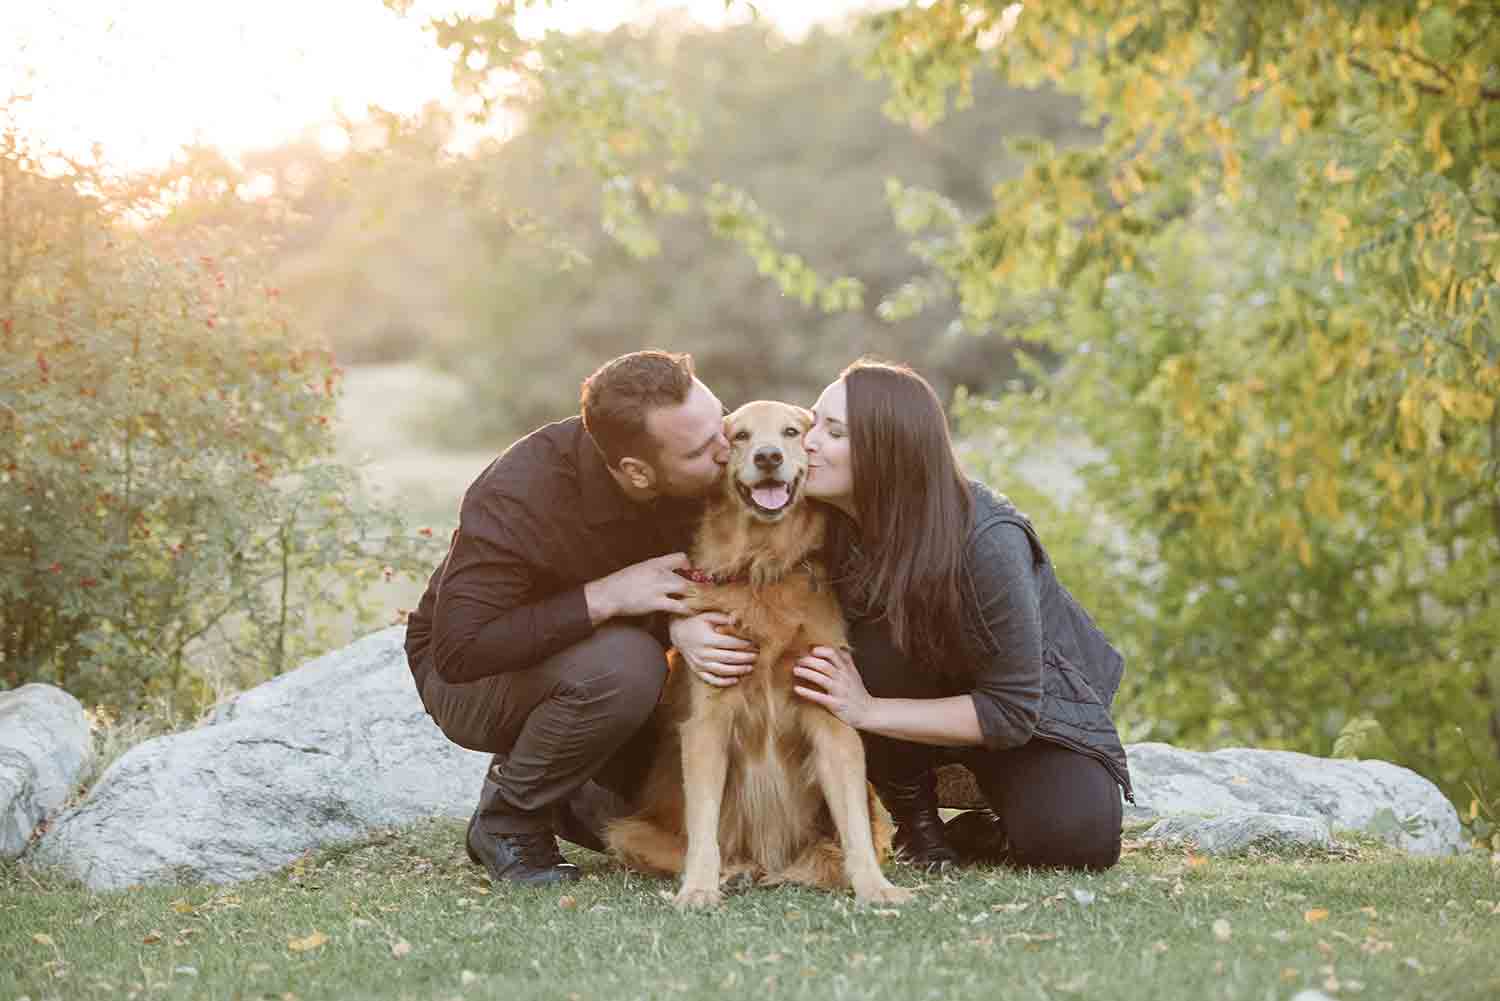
(704, 577)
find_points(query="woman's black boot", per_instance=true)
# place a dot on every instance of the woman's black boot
(913, 806)
(978, 838)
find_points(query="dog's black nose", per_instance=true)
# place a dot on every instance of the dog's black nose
(767, 457)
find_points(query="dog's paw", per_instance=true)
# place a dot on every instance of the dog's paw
(884, 893)
(697, 898)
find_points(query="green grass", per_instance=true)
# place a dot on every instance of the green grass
(406, 916)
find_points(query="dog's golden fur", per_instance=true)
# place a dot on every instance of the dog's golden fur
(751, 779)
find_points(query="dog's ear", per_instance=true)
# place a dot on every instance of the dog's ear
(805, 416)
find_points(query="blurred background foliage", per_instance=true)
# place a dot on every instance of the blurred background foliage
(1214, 288)
(498, 270)
(173, 523)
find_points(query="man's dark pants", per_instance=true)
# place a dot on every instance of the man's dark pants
(577, 716)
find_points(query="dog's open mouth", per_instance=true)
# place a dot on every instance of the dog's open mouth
(769, 497)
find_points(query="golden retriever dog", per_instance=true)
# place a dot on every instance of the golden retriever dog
(751, 780)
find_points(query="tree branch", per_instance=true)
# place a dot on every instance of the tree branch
(1485, 93)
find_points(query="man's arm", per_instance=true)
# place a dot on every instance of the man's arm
(483, 623)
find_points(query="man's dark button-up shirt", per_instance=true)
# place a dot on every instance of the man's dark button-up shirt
(539, 523)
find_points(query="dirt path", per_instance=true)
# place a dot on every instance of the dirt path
(381, 413)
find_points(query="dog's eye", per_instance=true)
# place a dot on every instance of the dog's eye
(742, 436)
(791, 432)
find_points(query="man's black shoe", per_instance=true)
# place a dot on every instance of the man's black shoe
(532, 859)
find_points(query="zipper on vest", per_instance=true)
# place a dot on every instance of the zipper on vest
(1109, 763)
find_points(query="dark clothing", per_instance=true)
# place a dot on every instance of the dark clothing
(542, 521)
(1058, 807)
(580, 714)
(1039, 667)
(501, 647)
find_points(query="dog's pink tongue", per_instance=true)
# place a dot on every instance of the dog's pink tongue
(771, 496)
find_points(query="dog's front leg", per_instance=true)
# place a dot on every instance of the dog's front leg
(840, 761)
(705, 762)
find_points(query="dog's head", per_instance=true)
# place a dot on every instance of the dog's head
(766, 461)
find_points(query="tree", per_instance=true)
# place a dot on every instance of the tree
(1277, 283)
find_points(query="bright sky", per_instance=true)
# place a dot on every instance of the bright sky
(144, 77)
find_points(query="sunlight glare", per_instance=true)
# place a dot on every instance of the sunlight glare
(140, 79)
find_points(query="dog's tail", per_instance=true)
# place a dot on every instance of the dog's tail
(645, 847)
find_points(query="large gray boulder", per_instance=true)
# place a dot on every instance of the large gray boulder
(44, 748)
(341, 747)
(1238, 832)
(329, 752)
(1372, 796)
(1376, 797)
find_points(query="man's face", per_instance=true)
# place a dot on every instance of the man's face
(691, 447)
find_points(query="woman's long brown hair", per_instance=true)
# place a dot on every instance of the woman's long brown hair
(914, 511)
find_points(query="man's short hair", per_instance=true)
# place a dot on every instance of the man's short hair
(617, 397)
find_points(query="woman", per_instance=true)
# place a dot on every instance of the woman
(967, 648)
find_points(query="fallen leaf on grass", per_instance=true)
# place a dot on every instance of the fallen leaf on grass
(1027, 938)
(1075, 985)
(152, 937)
(567, 902)
(181, 906)
(401, 949)
(42, 938)
(307, 943)
(1194, 861)
(1314, 915)
(1222, 931)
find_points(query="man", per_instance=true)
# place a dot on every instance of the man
(535, 638)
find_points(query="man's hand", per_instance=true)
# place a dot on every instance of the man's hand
(714, 655)
(639, 589)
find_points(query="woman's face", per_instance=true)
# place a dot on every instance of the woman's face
(830, 474)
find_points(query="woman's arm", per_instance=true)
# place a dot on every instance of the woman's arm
(1002, 709)
(950, 722)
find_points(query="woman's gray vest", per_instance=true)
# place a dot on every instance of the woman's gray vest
(1081, 669)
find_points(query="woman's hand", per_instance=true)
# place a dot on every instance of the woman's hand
(839, 689)
(714, 656)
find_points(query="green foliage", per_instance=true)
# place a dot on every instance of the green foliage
(165, 490)
(1276, 281)
(523, 292)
